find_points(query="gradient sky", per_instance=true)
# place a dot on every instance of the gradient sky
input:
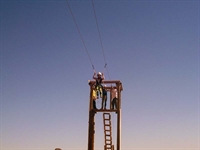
(152, 46)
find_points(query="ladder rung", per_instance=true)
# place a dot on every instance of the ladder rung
(107, 135)
(107, 117)
(108, 144)
(108, 139)
(107, 124)
(108, 148)
(106, 130)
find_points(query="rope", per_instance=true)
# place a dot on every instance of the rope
(80, 35)
(98, 31)
(100, 39)
(105, 67)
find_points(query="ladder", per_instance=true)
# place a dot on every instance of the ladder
(107, 132)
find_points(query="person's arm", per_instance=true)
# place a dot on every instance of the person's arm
(116, 94)
(94, 76)
(103, 76)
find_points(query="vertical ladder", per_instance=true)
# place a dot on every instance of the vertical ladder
(107, 132)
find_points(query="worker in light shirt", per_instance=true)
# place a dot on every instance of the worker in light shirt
(114, 98)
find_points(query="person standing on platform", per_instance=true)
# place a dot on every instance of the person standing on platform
(104, 98)
(114, 98)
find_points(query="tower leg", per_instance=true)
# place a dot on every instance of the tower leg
(119, 129)
(91, 130)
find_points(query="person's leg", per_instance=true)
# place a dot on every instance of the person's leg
(105, 101)
(116, 100)
(94, 104)
(97, 91)
(102, 102)
(101, 91)
(112, 104)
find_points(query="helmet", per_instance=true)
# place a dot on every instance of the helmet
(99, 74)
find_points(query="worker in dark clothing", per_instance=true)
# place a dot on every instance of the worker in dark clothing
(94, 104)
(104, 98)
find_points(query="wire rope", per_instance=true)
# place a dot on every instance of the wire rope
(105, 66)
(98, 31)
(77, 27)
(80, 35)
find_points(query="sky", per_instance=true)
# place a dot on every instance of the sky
(151, 46)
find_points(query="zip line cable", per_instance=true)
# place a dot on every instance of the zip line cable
(80, 35)
(98, 31)
(105, 67)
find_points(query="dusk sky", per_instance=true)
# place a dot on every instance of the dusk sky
(151, 46)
